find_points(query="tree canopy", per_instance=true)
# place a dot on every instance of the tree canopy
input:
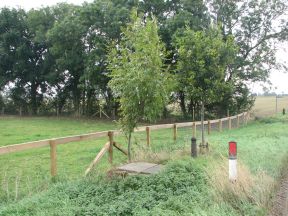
(203, 59)
(54, 59)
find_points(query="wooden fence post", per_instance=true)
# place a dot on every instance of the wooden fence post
(246, 118)
(229, 123)
(20, 111)
(148, 138)
(175, 132)
(209, 127)
(194, 129)
(53, 158)
(110, 149)
(220, 125)
(238, 121)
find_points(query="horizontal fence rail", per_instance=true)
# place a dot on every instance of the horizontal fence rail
(109, 146)
(61, 140)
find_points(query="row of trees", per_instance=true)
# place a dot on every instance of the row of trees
(55, 59)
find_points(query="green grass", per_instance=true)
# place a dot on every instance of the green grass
(261, 146)
(30, 169)
(182, 189)
(15, 130)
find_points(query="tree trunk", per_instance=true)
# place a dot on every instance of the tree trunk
(182, 103)
(33, 93)
(109, 103)
(76, 96)
(57, 109)
(60, 105)
(89, 102)
(20, 111)
(76, 103)
(116, 107)
(83, 102)
(129, 146)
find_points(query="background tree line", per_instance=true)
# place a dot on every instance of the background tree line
(53, 60)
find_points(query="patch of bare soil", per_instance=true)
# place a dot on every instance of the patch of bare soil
(280, 207)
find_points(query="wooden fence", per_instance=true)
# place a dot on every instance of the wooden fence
(111, 143)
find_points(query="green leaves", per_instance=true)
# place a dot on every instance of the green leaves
(138, 76)
(62, 50)
(178, 189)
(203, 60)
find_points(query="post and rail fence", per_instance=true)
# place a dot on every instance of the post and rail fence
(53, 143)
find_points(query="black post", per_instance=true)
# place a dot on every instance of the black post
(193, 147)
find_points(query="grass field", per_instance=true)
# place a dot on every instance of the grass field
(187, 187)
(27, 172)
(18, 130)
(266, 106)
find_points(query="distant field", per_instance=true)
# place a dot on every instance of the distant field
(266, 106)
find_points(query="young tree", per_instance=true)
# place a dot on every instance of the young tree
(202, 62)
(173, 16)
(138, 77)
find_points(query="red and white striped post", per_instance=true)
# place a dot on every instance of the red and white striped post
(232, 161)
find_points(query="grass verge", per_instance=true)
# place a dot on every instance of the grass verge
(186, 187)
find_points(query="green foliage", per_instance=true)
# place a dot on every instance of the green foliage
(68, 49)
(138, 76)
(56, 57)
(137, 195)
(257, 27)
(202, 62)
(11, 42)
(103, 20)
(25, 60)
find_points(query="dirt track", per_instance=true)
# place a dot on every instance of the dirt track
(280, 207)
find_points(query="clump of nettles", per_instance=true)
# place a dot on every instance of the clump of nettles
(171, 192)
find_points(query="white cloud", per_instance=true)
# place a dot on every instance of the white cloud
(28, 4)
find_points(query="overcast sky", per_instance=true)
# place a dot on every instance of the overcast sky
(279, 80)
(28, 4)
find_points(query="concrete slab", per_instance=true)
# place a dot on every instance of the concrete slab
(140, 167)
(153, 170)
